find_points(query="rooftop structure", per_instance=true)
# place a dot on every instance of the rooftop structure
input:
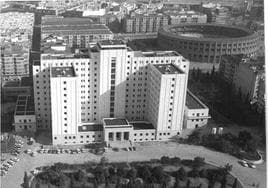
(168, 69)
(156, 54)
(192, 102)
(62, 72)
(142, 125)
(90, 127)
(112, 122)
(24, 106)
(76, 32)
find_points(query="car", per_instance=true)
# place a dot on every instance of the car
(15, 154)
(3, 173)
(7, 165)
(28, 151)
(33, 154)
(10, 163)
(244, 163)
(15, 159)
(251, 165)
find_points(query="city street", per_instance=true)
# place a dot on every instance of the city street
(146, 151)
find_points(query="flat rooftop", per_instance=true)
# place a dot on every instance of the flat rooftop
(115, 121)
(117, 44)
(141, 125)
(156, 54)
(62, 72)
(90, 127)
(192, 102)
(25, 105)
(168, 69)
(54, 21)
(24, 82)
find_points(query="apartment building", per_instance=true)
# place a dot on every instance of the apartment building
(76, 32)
(76, 91)
(177, 17)
(14, 61)
(247, 76)
(144, 23)
(16, 39)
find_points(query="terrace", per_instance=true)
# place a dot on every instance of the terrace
(25, 105)
(168, 69)
(62, 72)
(192, 102)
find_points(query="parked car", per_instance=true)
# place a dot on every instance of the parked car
(244, 163)
(33, 154)
(15, 159)
(251, 165)
(11, 162)
(7, 165)
(3, 173)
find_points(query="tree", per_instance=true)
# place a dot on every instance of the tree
(165, 160)
(79, 175)
(188, 184)
(224, 181)
(181, 174)
(235, 183)
(158, 174)
(198, 162)
(132, 173)
(26, 180)
(175, 161)
(145, 173)
(104, 161)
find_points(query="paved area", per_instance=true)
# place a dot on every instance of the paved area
(146, 151)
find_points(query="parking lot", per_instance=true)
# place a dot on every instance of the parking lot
(144, 151)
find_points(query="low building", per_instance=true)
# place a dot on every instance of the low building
(196, 112)
(76, 32)
(24, 116)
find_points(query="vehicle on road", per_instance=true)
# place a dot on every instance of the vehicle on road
(251, 165)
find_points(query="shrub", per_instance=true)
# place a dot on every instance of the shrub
(198, 162)
(181, 174)
(193, 173)
(203, 173)
(165, 160)
(187, 162)
(175, 161)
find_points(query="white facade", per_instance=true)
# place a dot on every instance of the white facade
(196, 112)
(109, 81)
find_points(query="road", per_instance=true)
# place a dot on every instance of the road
(147, 151)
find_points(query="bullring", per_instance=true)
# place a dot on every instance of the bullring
(207, 42)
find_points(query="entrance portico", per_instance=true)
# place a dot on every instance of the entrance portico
(117, 130)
